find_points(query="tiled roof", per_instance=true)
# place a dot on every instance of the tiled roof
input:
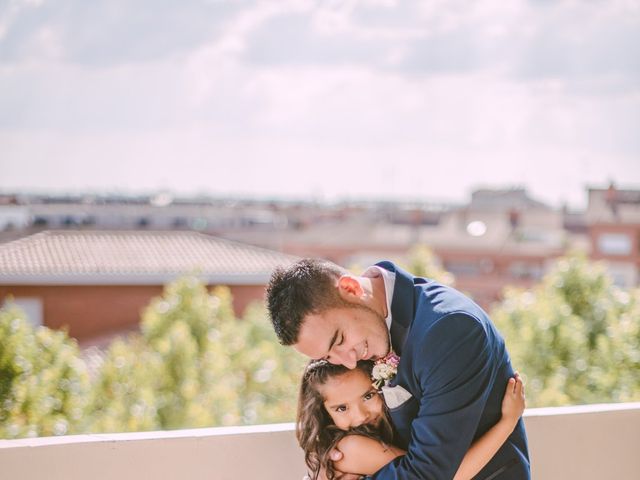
(131, 255)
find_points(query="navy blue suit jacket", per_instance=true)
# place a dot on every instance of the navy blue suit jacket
(456, 367)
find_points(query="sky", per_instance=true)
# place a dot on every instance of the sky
(328, 100)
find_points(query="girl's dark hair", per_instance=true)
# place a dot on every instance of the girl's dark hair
(315, 430)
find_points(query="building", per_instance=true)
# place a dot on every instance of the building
(613, 219)
(96, 283)
(500, 237)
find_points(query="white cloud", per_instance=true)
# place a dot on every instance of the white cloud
(10, 12)
(211, 66)
(355, 97)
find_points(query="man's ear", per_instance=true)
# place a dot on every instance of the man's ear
(349, 288)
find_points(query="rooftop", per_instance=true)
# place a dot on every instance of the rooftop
(133, 256)
(613, 205)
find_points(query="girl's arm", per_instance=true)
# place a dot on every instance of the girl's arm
(483, 449)
(365, 456)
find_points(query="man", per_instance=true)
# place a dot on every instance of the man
(453, 369)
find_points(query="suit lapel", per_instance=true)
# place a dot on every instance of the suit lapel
(398, 336)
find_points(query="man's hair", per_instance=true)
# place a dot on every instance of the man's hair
(306, 287)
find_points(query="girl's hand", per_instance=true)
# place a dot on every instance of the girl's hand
(513, 402)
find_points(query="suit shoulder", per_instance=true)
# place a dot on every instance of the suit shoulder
(437, 300)
(449, 328)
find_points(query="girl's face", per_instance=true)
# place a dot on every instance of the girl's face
(351, 401)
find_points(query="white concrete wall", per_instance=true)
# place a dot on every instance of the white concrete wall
(585, 442)
(589, 442)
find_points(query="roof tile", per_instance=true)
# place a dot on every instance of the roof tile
(134, 252)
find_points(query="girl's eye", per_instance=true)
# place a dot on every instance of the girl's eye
(341, 409)
(369, 395)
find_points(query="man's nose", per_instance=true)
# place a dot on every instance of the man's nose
(348, 358)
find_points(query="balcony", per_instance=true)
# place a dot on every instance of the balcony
(578, 442)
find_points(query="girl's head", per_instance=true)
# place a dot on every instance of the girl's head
(332, 399)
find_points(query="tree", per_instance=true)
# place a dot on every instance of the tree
(123, 396)
(267, 373)
(43, 381)
(196, 365)
(575, 336)
(423, 263)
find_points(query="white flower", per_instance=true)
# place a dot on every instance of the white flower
(385, 369)
(382, 371)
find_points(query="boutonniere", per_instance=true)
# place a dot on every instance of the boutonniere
(384, 369)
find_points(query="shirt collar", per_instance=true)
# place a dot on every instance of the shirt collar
(389, 279)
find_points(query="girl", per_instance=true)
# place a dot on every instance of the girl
(339, 408)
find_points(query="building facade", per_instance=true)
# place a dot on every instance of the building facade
(96, 283)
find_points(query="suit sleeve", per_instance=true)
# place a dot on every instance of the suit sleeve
(453, 364)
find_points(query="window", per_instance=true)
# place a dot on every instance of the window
(623, 274)
(463, 268)
(525, 270)
(32, 307)
(614, 244)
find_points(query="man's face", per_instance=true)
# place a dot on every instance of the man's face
(344, 336)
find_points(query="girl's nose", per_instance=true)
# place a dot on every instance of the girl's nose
(359, 417)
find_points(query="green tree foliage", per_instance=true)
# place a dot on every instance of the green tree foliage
(124, 397)
(575, 336)
(43, 382)
(268, 373)
(196, 365)
(423, 263)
